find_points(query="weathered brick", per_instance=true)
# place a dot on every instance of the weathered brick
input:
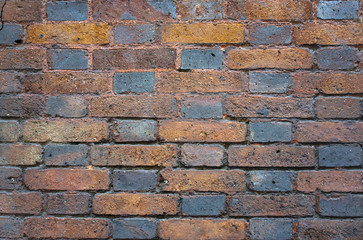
(134, 228)
(197, 107)
(73, 59)
(134, 180)
(20, 203)
(137, 82)
(11, 34)
(134, 58)
(72, 228)
(66, 179)
(270, 10)
(266, 228)
(66, 155)
(205, 33)
(269, 82)
(330, 181)
(203, 205)
(21, 107)
(134, 155)
(269, 34)
(202, 131)
(10, 82)
(348, 132)
(67, 203)
(271, 181)
(65, 131)
(201, 59)
(65, 106)
(136, 33)
(338, 10)
(202, 155)
(340, 156)
(272, 205)
(179, 229)
(21, 59)
(341, 206)
(135, 106)
(20, 154)
(68, 33)
(10, 178)
(270, 132)
(271, 156)
(284, 58)
(337, 58)
(202, 181)
(23, 11)
(135, 204)
(10, 227)
(200, 82)
(337, 107)
(134, 131)
(200, 10)
(9, 131)
(67, 10)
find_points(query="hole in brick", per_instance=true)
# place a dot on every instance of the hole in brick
(273, 182)
(278, 151)
(213, 54)
(18, 41)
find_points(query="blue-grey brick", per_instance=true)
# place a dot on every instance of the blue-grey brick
(271, 181)
(10, 228)
(202, 205)
(73, 59)
(134, 228)
(269, 82)
(11, 33)
(337, 58)
(134, 131)
(137, 33)
(67, 10)
(65, 106)
(270, 34)
(200, 9)
(201, 59)
(338, 10)
(341, 206)
(134, 82)
(134, 180)
(340, 156)
(167, 7)
(271, 229)
(201, 107)
(66, 155)
(270, 132)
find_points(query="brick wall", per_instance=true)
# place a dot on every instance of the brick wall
(148, 119)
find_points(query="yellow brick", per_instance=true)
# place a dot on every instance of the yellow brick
(203, 33)
(89, 33)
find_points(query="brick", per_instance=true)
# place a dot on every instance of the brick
(9, 131)
(65, 106)
(11, 34)
(265, 228)
(330, 229)
(202, 131)
(271, 156)
(21, 107)
(21, 59)
(67, 203)
(134, 228)
(178, 229)
(66, 179)
(340, 156)
(272, 205)
(329, 34)
(65, 131)
(203, 205)
(200, 10)
(68, 33)
(134, 180)
(338, 10)
(347, 132)
(270, 132)
(23, 11)
(67, 11)
(10, 82)
(271, 181)
(135, 204)
(199, 82)
(10, 227)
(20, 203)
(136, 82)
(134, 34)
(134, 155)
(341, 206)
(72, 228)
(10, 178)
(205, 33)
(330, 181)
(201, 107)
(134, 131)
(284, 58)
(135, 106)
(73, 59)
(20, 154)
(66, 155)
(202, 155)
(202, 181)
(334, 58)
(127, 58)
(337, 107)
(271, 107)
(269, 82)
(201, 59)
(278, 10)
(266, 34)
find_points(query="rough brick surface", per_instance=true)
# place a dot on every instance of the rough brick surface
(341, 206)
(20, 154)
(135, 228)
(10, 178)
(65, 155)
(202, 155)
(264, 228)
(67, 11)
(10, 227)
(67, 203)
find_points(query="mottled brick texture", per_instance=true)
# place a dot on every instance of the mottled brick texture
(181, 119)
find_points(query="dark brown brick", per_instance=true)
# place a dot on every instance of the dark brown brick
(67, 203)
(21, 107)
(21, 59)
(23, 11)
(337, 107)
(10, 178)
(20, 203)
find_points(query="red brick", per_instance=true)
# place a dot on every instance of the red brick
(10, 82)
(337, 107)
(10, 178)
(20, 203)
(66, 179)
(21, 59)
(330, 181)
(135, 204)
(67, 203)
(21, 106)
(23, 11)
(9, 131)
(20, 154)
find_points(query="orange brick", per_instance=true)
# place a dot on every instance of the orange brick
(20, 203)
(337, 107)
(20, 154)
